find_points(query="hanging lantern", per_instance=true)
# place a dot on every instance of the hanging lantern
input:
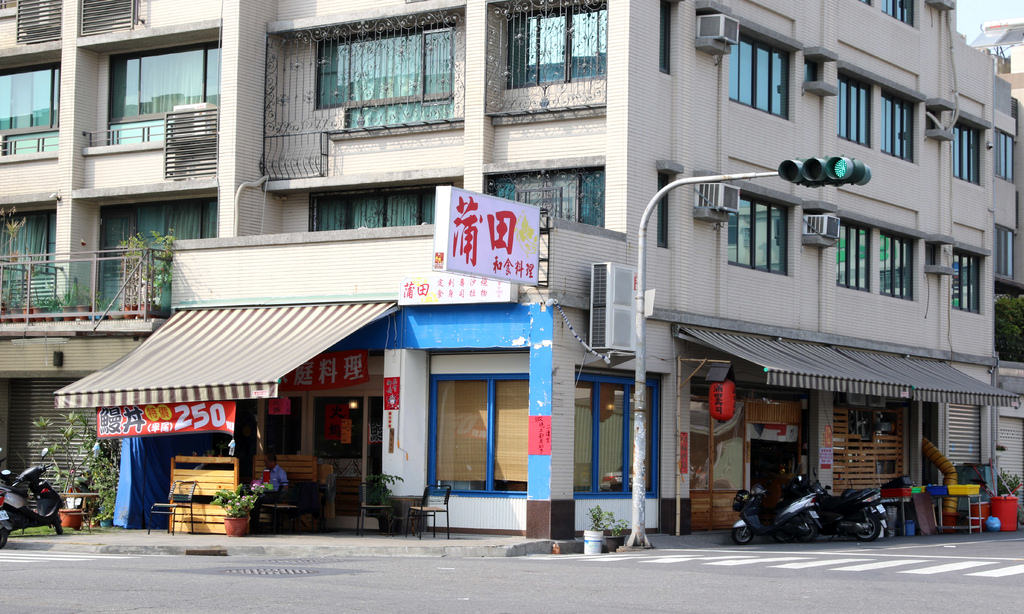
(722, 400)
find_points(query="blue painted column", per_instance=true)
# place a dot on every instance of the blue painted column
(541, 352)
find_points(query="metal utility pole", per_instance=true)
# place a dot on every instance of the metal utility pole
(638, 535)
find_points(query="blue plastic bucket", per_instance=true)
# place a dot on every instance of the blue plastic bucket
(910, 528)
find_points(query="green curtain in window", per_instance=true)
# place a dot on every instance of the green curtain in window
(403, 210)
(367, 211)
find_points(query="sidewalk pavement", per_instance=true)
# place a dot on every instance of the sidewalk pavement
(347, 543)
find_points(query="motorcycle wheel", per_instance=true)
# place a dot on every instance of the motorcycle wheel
(871, 533)
(807, 529)
(742, 535)
(3, 537)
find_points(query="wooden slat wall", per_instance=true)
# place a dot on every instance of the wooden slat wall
(763, 411)
(212, 473)
(855, 461)
(704, 516)
(298, 467)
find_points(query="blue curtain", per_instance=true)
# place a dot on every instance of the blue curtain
(146, 475)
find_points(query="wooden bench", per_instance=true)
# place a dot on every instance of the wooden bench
(211, 473)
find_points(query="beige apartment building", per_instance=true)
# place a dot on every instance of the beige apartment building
(293, 149)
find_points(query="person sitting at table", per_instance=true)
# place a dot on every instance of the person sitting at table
(278, 481)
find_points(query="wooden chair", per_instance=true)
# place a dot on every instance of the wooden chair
(179, 498)
(434, 502)
(379, 511)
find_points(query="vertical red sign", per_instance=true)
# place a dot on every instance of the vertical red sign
(391, 393)
(684, 453)
(540, 435)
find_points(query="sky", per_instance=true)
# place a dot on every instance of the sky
(970, 14)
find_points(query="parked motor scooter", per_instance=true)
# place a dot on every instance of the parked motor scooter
(797, 520)
(854, 513)
(15, 511)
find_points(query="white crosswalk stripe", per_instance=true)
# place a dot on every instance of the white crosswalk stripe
(1013, 570)
(664, 560)
(924, 571)
(44, 556)
(773, 559)
(820, 563)
(881, 565)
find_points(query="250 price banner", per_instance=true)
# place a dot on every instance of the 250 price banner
(165, 419)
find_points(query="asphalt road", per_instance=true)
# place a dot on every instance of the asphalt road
(895, 576)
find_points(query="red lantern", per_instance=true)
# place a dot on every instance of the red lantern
(723, 400)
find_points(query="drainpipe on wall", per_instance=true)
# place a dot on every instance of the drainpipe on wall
(238, 195)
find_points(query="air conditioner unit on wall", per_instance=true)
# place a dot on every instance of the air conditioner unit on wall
(718, 196)
(719, 27)
(824, 225)
(611, 306)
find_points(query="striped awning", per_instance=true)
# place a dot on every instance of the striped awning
(220, 354)
(798, 364)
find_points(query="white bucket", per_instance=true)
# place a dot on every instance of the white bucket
(592, 542)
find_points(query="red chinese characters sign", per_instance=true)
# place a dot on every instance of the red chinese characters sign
(540, 435)
(392, 396)
(483, 235)
(165, 419)
(337, 423)
(329, 370)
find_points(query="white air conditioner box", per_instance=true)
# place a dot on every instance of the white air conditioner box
(718, 196)
(611, 306)
(824, 225)
(718, 27)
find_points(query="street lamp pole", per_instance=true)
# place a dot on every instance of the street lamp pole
(638, 535)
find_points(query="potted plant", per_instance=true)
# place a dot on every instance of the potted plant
(617, 532)
(238, 504)
(593, 538)
(69, 446)
(378, 488)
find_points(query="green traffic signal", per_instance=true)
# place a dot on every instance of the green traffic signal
(816, 172)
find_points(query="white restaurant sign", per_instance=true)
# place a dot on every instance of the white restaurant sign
(449, 289)
(487, 236)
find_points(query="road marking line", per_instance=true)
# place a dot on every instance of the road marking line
(999, 573)
(673, 559)
(806, 564)
(948, 567)
(880, 565)
(752, 561)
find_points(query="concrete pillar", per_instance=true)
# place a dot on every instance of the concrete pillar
(405, 441)
(820, 425)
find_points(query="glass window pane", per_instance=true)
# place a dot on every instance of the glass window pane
(777, 257)
(213, 76)
(700, 466)
(551, 49)
(610, 434)
(763, 65)
(462, 434)
(743, 230)
(511, 425)
(170, 79)
(584, 436)
(589, 44)
(780, 81)
(761, 236)
(746, 72)
(727, 471)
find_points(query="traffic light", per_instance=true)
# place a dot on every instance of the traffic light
(816, 172)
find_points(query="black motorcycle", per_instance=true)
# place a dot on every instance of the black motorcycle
(797, 520)
(854, 513)
(15, 509)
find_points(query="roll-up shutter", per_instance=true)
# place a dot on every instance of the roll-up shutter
(964, 434)
(1011, 436)
(30, 399)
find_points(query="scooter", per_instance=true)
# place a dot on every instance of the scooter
(797, 520)
(15, 511)
(855, 513)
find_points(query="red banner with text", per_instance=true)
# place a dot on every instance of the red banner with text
(329, 370)
(165, 419)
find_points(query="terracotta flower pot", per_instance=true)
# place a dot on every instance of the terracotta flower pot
(236, 527)
(71, 519)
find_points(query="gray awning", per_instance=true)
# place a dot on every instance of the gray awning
(220, 354)
(797, 364)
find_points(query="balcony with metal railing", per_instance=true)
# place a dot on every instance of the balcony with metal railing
(121, 283)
